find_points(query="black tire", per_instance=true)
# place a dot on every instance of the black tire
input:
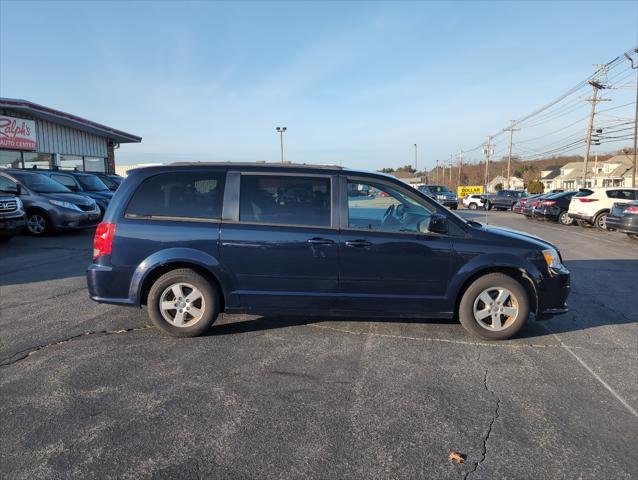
(601, 221)
(472, 206)
(584, 224)
(494, 280)
(210, 304)
(38, 223)
(488, 206)
(633, 236)
(564, 218)
(453, 207)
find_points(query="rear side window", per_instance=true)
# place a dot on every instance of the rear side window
(285, 200)
(622, 194)
(179, 194)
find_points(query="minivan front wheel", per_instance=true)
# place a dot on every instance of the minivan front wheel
(37, 223)
(494, 307)
(183, 303)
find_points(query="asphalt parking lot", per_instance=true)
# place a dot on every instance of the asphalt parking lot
(90, 391)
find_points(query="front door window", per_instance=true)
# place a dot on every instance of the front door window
(383, 208)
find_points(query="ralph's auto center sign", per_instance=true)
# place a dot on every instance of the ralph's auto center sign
(17, 133)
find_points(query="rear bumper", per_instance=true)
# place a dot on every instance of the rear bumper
(109, 285)
(622, 224)
(547, 214)
(581, 216)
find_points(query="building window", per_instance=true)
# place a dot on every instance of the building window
(94, 164)
(10, 158)
(37, 160)
(71, 162)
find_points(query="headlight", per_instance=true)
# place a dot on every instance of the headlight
(68, 205)
(18, 203)
(552, 258)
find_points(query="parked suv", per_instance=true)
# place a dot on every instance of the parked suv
(441, 194)
(192, 240)
(503, 199)
(12, 216)
(473, 201)
(83, 183)
(49, 205)
(592, 208)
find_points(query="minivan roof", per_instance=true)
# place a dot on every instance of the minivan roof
(252, 164)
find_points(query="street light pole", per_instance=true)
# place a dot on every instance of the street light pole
(281, 131)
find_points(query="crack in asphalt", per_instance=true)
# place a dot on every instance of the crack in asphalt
(27, 352)
(489, 427)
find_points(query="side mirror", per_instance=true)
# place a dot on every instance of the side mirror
(14, 190)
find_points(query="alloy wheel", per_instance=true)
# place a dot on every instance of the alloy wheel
(565, 219)
(182, 305)
(601, 221)
(36, 224)
(495, 308)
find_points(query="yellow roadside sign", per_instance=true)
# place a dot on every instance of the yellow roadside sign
(470, 190)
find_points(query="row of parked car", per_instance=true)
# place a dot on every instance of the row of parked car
(613, 209)
(610, 208)
(41, 201)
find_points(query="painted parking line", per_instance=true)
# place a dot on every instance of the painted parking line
(594, 374)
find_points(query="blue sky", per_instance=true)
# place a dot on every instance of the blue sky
(355, 83)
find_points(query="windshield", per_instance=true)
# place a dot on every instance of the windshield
(91, 183)
(438, 189)
(40, 183)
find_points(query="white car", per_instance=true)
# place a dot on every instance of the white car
(591, 207)
(473, 201)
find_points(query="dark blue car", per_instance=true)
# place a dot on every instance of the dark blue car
(192, 240)
(83, 183)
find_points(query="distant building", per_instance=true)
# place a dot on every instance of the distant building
(35, 136)
(548, 177)
(615, 172)
(515, 183)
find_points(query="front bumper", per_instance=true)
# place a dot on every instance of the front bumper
(553, 291)
(13, 225)
(622, 224)
(72, 220)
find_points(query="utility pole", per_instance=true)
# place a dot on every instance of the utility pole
(437, 171)
(416, 168)
(635, 67)
(597, 85)
(509, 156)
(595, 169)
(451, 156)
(458, 184)
(281, 131)
(488, 151)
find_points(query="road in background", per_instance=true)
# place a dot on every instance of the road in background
(89, 391)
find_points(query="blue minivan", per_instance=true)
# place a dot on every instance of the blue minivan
(192, 240)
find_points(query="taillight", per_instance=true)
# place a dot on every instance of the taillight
(632, 210)
(587, 200)
(548, 202)
(103, 239)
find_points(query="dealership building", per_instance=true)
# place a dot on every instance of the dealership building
(34, 136)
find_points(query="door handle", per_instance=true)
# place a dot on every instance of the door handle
(358, 243)
(320, 241)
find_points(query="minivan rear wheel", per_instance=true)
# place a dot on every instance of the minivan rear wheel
(183, 303)
(494, 307)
